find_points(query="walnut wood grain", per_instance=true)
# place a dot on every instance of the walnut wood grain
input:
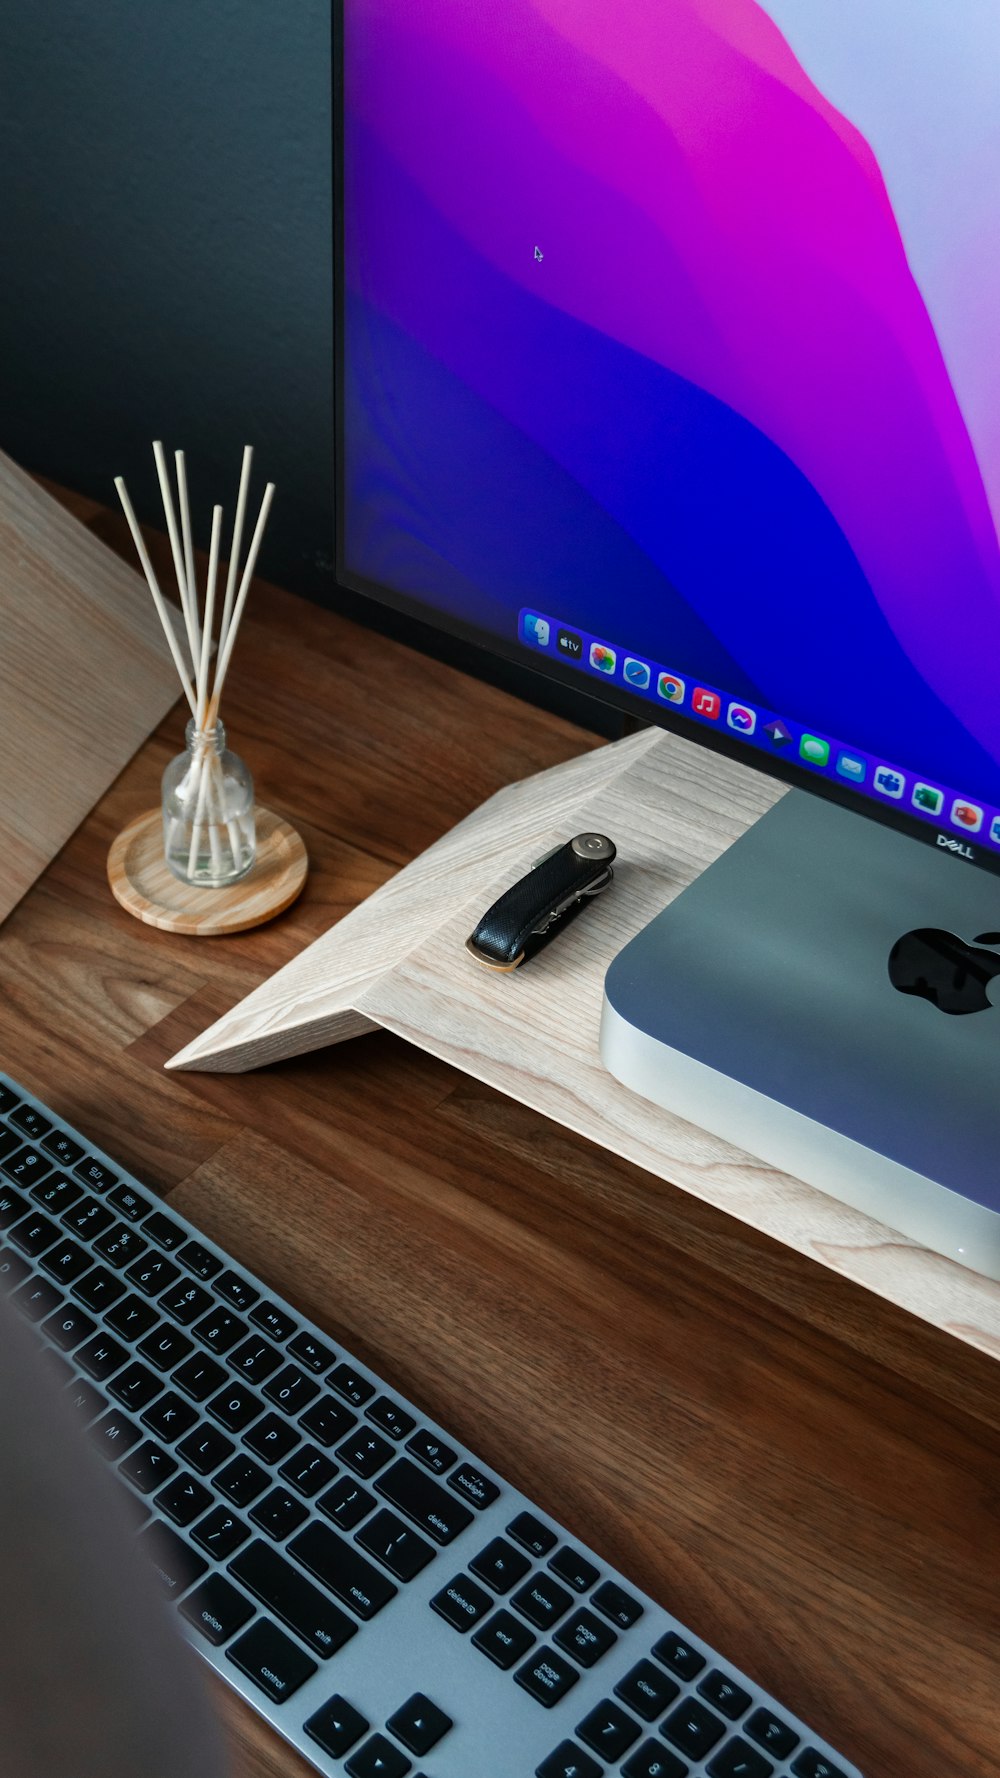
(803, 1471)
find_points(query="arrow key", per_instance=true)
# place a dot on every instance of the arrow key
(336, 1726)
(378, 1758)
(419, 1724)
(568, 1762)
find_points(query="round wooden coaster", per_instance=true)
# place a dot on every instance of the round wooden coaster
(143, 883)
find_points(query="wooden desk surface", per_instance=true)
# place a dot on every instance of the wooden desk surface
(804, 1474)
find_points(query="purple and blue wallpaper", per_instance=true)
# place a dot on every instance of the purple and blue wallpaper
(633, 338)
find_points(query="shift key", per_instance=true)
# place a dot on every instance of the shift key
(291, 1597)
(342, 1569)
(417, 1495)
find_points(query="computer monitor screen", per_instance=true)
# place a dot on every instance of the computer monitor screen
(668, 361)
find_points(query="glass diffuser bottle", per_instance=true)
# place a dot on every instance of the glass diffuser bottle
(209, 832)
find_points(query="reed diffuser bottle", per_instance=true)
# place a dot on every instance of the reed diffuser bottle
(209, 837)
(209, 832)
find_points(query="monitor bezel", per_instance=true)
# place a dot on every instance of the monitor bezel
(517, 653)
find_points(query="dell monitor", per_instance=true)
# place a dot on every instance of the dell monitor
(667, 364)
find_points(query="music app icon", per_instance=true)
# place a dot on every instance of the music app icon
(705, 703)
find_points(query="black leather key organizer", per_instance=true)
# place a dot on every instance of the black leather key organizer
(530, 914)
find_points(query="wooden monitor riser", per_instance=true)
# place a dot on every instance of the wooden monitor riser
(399, 962)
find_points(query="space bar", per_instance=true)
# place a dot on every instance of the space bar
(423, 1501)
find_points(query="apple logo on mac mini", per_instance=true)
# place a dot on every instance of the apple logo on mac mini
(945, 969)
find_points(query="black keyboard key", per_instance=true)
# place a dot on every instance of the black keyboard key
(62, 1148)
(547, 1676)
(68, 1326)
(271, 1660)
(739, 1760)
(568, 1761)
(205, 1448)
(242, 1480)
(130, 1203)
(474, 1486)
(811, 1764)
(724, 1693)
(220, 1532)
(165, 1346)
(26, 1165)
(255, 1360)
(219, 1330)
(351, 1385)
(183, 1498)
(693, 1728)
(199, 1375)
(609, 1730)
(311, 1352)
(533, 1536)
(461, 1603)
(423, 1500)
(120, 1245)
(153, 1273)
(33, 1234)
(88, 1219)
(272, 1321)
(85, 1401)
(101, 1357)
(8, 1098)
(12, 1206)
(291, 1389)
(542, 1601)
(236, 1290)
(419, 1724)
(397, 1547)
(432, 1452)
(653, 1760)
(235, 1407)
(327, 1420)
(36, 1298)
(336, 1727)
(216, 1609)
(500, 1565)
(170, 1417)
(99, 1289)
(56, 1193)
(503, 1639)
(135, 1387)
(647, 1690)
(585, 1638)
(347, 1574)
(13, 1269)
(9, 1141)
(378, 1759)
(279, 1514)
(171, 1556)
(567, 1564)
(393, 1419)
(198, 1260)
(58, 1367)
(185, 1302)
(771, 1733)
(32, 1122)
(132, 1317)
(114, 1435)
(95, 1174)
(617, 1605)
(346, 1503)
(271, 1438)
(164, 1231)
(271, 1579)
(365, 1452)
(308, 1470)
(677, 1654)
(148, 1467)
